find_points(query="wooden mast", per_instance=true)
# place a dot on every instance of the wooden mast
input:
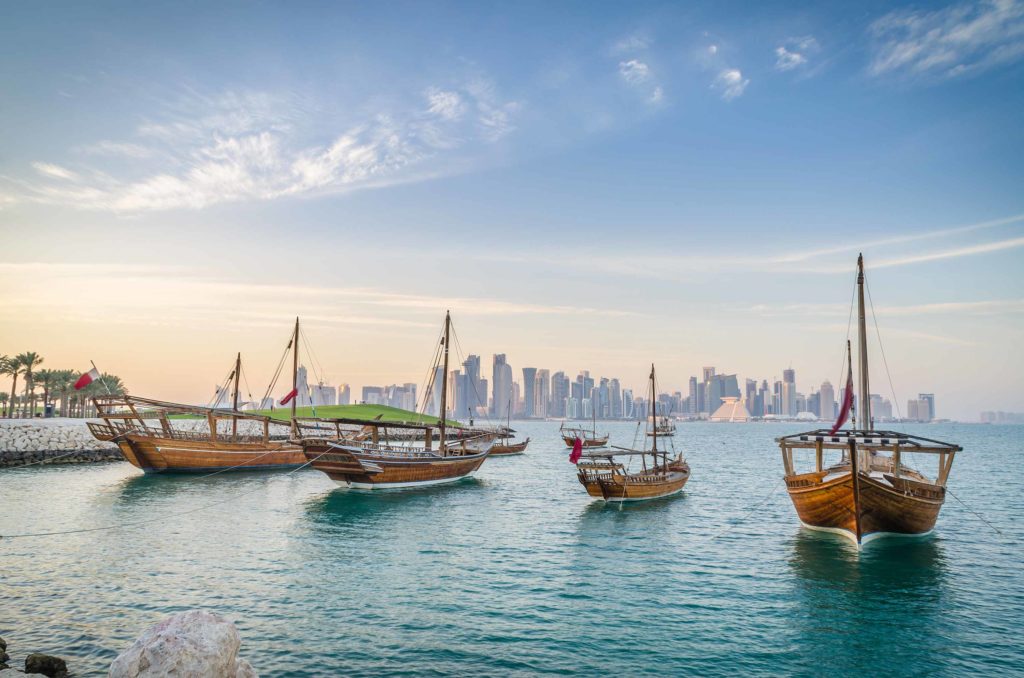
(295, 371)
(444, 381)
(654, 419)
(234, 398)
(862, 330)
(854, 462)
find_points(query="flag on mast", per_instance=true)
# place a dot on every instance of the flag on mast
(844, 410)
(87, 378)
(288, 398)
(577, 451)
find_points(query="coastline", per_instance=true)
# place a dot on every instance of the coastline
(51, 441)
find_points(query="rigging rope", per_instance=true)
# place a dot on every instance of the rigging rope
(980, 517)
(885, 362)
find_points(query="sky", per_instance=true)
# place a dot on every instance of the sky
(584, 185)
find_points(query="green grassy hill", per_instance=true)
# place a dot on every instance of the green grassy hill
(388, 414)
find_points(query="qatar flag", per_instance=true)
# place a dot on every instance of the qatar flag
(288, 398)
(844, 411)
(87, 378)
(577, 451)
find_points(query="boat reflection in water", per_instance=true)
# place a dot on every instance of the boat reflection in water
(856, 603)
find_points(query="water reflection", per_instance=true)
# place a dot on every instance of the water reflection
(886, 598)
(340, 507)
(149, 487)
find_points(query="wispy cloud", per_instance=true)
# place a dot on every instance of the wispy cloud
(794, 52)
(731, 83)
(970, 250)
(983, 307)
(631, 44)
(52, 171)
(962, 39)
(638, 74)
(246, 146)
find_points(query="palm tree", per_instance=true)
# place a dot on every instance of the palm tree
(12, 367)
(64, 382)
(48, 380)
(3, 403)
(29, 361)
(107, 384)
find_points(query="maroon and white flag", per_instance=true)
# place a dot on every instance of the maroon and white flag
(288, 398)
(87, 378)
(844, 411)
(577, 451)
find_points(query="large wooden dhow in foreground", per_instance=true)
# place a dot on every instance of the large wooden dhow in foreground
(363, 455)
(605, 476)
(869, 491)
(163, 437)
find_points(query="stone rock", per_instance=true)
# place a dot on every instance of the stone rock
(48, 665)
(192, 644)
(3, 653)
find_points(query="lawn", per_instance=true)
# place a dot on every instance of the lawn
(386, 413)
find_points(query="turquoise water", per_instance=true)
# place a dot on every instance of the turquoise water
(519, 572)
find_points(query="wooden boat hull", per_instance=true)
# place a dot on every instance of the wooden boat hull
(505, 450)
(618, 489)
(349, 469)
(169, 455)
(829, 506)
(570, 441)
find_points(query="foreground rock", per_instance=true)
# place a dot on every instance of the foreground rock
(48, 665)
(192, 644)
(3, 654)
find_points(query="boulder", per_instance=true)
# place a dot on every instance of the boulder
(192, 644)
(3, 653)
(48, 665)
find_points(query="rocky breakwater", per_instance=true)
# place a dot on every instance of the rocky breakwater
(61, 441)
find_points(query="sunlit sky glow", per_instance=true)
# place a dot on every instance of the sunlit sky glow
(584, 186)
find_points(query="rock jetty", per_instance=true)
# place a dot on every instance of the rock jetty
(26, 441)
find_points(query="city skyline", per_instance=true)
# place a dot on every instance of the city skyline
(599, 186)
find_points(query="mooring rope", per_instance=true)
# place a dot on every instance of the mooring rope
(979, 516)
(151, 520)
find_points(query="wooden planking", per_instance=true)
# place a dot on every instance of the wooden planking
(883, 509)
(155, 454)
(392, 470)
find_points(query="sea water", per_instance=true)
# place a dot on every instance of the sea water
(518, 571)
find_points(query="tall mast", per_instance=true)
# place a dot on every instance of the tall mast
(849, 371)
(444, 379)
(234, 399)
(654, 418)
(862, 331)
(295, 368)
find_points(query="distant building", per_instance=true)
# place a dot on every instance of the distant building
(501, 383)
(344, 395)
(324, 395)
(732, 409)
(542, 394)
(559, 394)
(827, 401)
(529, 392)
(929, 400)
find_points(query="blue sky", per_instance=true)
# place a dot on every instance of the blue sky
(589, 186)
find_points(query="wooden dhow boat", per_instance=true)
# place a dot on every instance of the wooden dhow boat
(371, 460)
(606, 477)
(163, 437)
(664, 428)
(570, 434)
(506, 445)
(869, 491)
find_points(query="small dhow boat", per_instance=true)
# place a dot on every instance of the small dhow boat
(609, 479)
(506, 444)
(570, 434)
(869, 491)
(164, 437)
(368, 458)
(664, 428)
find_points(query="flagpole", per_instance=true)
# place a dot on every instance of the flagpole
(101, 378)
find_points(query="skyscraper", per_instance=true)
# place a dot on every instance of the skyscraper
(559, 394)
(929, 410)
(616, 392)
(501, 383)
(529, 395)
(476, 393)
(789, 407)
(694, 403)
(344, 394)
(543, 393)
(827, 401)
